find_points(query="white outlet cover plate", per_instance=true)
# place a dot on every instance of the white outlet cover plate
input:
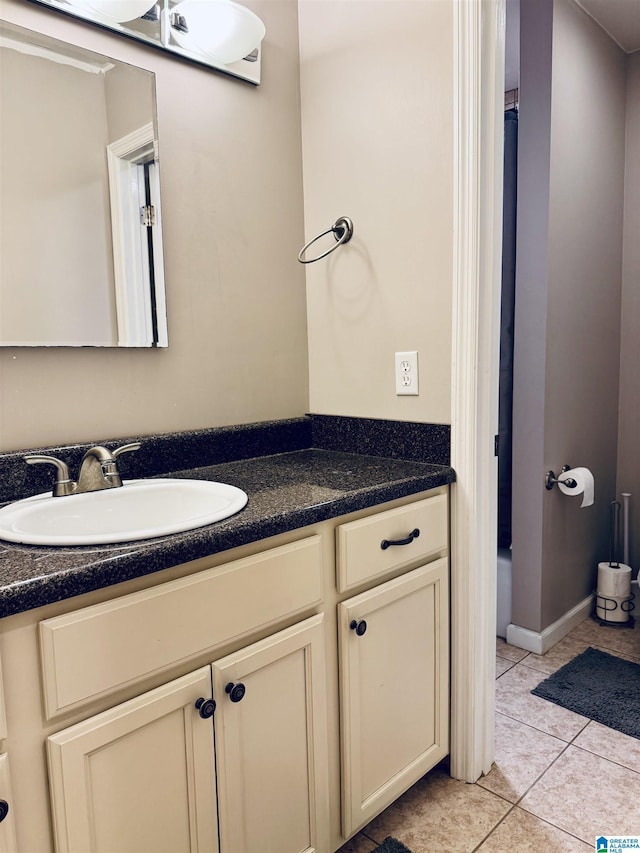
(407, 374)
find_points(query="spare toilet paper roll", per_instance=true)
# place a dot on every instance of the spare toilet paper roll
(584, 484)
(614, 582)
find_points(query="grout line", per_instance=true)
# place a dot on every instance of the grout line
(559, 828)
(493, 829)
(516, 804)
(542, 731)
(511, 660)
(616, 653)
(507, 660)
(602, 757)
(546, 770)
(498, 677)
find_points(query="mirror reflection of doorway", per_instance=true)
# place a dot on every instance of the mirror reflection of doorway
(136, 233)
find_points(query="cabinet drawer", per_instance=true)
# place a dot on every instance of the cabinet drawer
(94, 651)
(360, 555)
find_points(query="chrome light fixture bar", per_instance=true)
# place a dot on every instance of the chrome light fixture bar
(220, 34)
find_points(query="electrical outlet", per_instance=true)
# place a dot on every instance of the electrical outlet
(407, 373)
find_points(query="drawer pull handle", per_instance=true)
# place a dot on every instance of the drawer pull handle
(206, 707)
(359, 627)
(4, 809)
(236, 691)
(387, 543)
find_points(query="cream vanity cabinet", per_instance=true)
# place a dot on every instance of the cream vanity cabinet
(324, 652)
(144, 775)
(394, 653)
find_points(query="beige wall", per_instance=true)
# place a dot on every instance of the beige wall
(376, 82)
(629, 423)
(568, 302)
(230, 171)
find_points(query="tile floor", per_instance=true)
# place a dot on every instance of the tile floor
(559, 780)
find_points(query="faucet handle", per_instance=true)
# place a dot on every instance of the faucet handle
(63, 484)
(126, 448)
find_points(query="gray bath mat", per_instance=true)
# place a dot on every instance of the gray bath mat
(391, 845)
(599, 686)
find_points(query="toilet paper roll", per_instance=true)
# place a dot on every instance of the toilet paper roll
(614, 582)
(613, 609)
(584, 484)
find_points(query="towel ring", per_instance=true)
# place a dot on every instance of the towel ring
(342, 230)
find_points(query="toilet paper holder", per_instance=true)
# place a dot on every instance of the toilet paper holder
(551, 480)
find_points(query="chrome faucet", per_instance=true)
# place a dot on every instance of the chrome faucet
(98, 470)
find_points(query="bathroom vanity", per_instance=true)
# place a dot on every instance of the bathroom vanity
(275, 695)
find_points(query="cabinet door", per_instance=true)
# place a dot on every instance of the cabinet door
(139, 777)
(394, 676)
(271, 746)
(7, 827)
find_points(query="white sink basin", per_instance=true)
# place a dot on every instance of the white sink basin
(140, 509)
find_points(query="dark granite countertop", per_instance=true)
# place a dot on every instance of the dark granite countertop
(286, 491)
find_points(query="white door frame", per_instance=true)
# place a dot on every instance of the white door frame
(479, 41)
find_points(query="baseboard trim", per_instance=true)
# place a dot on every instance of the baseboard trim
(539, 643)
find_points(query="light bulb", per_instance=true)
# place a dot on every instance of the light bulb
(112, 11)
(221, 30)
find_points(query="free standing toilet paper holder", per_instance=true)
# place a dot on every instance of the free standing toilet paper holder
(626, 605)
(551, 480)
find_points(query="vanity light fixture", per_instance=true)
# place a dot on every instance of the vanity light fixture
(221, 30)
(219, 34)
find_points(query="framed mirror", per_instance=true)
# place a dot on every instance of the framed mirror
(81, 259)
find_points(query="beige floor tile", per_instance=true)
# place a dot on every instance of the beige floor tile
(622, 641)
(514, 699)
(521, 832)
(608, 743)
(502, 665)
(440, 813)
(561, 653)
(587, 796)
(504, 650)
(522, 755)
(358, 844)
